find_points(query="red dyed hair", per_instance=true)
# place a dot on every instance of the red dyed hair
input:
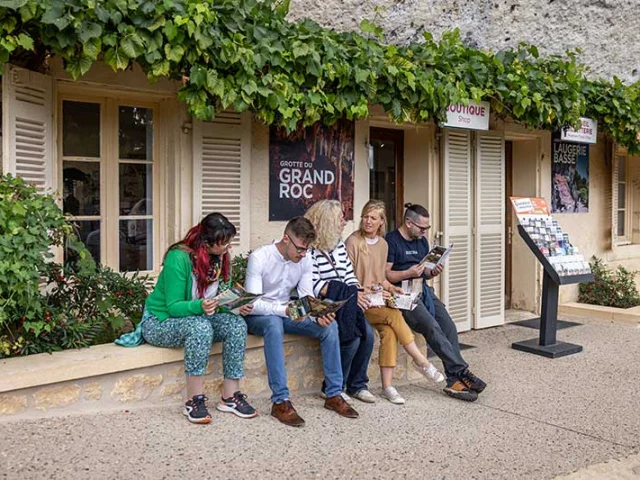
(214, 229)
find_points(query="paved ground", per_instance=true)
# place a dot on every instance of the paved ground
(539, 418)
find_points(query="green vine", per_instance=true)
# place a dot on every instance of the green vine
(245, 54)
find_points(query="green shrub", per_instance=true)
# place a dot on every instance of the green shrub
(610, 288)
(239, 268)
(45, 306)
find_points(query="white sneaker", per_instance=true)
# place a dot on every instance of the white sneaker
(344, 396)
(391, 394)
(365, 395)
(430, 372)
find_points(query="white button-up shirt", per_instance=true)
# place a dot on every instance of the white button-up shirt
(269, 274)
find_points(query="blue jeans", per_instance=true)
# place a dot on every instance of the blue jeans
(273, 328)
(355, 355)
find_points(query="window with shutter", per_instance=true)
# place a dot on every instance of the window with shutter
(458, 223)
(27, 117)
(490, 257)
(222, 151)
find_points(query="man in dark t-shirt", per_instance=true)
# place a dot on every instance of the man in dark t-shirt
(407, 247)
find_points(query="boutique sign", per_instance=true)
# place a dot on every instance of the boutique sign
(474, 116)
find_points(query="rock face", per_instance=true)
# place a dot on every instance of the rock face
(607, 31)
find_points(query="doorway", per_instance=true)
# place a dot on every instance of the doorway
(508, 234)
(386, 164)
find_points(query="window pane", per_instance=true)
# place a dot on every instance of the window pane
(136, 189)
(621, 228)
(88, 231)
(135, 135)
(622, 195)
(136, 245)
(622, 167)
(80, 129)
(81, 182)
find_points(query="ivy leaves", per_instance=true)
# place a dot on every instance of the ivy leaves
(244, 54)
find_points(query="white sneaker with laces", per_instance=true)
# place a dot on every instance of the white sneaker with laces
(344, 396)
(430, 372)
(391, 394)
(365, 395)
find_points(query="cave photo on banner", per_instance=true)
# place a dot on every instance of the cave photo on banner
(569, 177)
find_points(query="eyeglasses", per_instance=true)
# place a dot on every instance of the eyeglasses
(422, 229)
(224, 246)
(298, 248)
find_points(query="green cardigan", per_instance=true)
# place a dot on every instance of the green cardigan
(171, 297)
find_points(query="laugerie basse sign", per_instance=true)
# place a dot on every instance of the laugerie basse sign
(474, 116)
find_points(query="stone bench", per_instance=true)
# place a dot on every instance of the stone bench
(108, 376)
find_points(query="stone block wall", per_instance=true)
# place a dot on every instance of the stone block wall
(165, 384)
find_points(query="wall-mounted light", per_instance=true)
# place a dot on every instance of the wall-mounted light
(187, 127)
(369, 152)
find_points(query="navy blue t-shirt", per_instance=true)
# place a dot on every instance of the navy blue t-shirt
(404, 253)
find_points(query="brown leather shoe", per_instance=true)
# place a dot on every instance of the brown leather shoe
(338, 405)
(285, 412)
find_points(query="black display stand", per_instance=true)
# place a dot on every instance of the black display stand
(547, 345)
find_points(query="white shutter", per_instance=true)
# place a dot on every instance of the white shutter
(489, 204)
(27, 118)
(614, 199)
(222, 150)
(457, 225)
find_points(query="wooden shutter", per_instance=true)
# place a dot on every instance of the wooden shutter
(27, 117)
(614, 199)
(458, 223)
(222, 150)
(490, 250)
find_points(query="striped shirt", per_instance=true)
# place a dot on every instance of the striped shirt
(334, 265)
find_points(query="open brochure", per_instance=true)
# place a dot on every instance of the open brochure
(408, 300)
(313, 307)
(437, 256)
(234, 298)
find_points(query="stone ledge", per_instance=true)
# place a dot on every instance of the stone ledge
(45, 369)
(627, 316)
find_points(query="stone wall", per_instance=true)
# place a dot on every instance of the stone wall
(607, 31)
(165, 384)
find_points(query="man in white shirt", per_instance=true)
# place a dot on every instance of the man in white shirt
(273, 271)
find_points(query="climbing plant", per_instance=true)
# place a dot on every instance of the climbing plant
(245, 54)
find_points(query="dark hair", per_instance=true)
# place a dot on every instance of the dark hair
(302, 228)
(214, 229)
(413, 211)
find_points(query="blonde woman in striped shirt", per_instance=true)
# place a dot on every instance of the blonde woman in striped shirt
(333, 278)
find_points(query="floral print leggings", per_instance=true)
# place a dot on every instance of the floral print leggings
(196, 334)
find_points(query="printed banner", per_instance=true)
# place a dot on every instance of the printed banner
(569, 177)
(310, 164)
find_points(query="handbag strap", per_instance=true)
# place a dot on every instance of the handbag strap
(331, 262)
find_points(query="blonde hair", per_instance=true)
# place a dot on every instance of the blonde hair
(325, 217)
(382, 229)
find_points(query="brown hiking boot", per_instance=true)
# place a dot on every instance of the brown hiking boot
(456, 389)
(338, 405)
(285, 412)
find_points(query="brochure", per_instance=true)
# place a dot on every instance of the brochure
(408, 300)
(313, 307)
(234, 298)
(437, 256)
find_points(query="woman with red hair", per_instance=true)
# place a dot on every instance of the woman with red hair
(180, 312)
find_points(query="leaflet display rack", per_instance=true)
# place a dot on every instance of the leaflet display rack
(556, 271)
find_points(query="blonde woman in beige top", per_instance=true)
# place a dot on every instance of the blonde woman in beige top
(367, 250)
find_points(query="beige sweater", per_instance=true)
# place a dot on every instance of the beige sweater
(369, 264)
